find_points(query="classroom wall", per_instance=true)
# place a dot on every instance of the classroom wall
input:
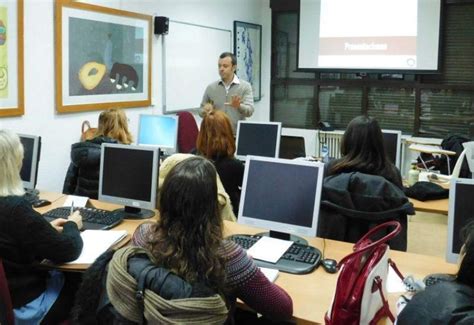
(59, 131)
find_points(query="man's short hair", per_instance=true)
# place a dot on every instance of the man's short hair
(230, 55)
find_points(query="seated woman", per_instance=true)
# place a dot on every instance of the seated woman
(216, 142)
(363, 151)
(450, 300)
(26, 238)
(188, 258)
(82, 177)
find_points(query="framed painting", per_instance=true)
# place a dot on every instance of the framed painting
(11, 58)
(103, 57)
(248, 50)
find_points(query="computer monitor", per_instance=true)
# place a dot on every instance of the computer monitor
(158, 130)
(129, 176)
(258, 139)
(282, 195)
(460, 212)
(469, 147)
(392, 141)
(31, 156)
(292, 147)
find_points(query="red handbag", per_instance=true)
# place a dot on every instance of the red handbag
(360, 290)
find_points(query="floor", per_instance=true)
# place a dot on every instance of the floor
(427, 234)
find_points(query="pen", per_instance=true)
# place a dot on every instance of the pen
(72, 207)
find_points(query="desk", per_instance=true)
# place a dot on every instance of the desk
(433, 206)
(312, 293)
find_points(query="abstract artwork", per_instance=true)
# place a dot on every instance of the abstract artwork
(103, 58)
(11, 58)
(248, 50)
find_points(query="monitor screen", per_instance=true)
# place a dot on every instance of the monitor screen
(281, 195)
(128, 175)
(31, 156)
(258, 139)
(158, 130)
(367, 35)
(460, 212)
(292, 147)
(392, 142)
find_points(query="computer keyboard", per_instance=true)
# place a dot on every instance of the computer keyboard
(298, 259)
(92, 218)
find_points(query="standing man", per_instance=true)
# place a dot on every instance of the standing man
(230, 94)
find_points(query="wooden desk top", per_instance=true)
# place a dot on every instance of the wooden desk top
(433, 206)
(312, 293)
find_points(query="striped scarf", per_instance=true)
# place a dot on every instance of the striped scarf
(121, 289)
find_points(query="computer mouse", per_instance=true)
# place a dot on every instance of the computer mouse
(41, 203)
(329, 265)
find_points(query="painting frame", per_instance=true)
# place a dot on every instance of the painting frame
(87, 84)
(247, 41)
(12, 92)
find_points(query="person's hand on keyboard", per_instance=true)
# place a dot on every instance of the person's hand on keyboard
(77, 218)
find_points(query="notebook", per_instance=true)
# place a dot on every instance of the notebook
(97, 242)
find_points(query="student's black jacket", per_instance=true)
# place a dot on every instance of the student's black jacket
(26, 238)
(82, 177)
(447, 302)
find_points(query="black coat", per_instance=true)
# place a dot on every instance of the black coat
(353, 203)
(447, 302)
(82, 177)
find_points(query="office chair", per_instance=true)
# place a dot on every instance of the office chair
(6, 308)
(440, 178)
(187, 132)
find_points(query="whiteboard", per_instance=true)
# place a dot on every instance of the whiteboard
(190, 60)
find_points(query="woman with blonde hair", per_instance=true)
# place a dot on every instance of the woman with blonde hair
(38, 296)
(82, 177)
(216, 142)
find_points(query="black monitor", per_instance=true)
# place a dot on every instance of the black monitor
(292, 147)
(392, 141)
(31, 156)
(257, 139)
(460, 212)
(282, 195)
(129, 176)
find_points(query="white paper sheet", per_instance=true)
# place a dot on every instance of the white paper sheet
(271, 274)
(97, 242)
(394, 283)
(79, 201)
(269, 249)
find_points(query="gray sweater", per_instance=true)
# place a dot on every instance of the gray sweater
(216, 94)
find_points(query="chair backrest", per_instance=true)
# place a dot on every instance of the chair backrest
(187, 132)
(459, 162)
(6, 309)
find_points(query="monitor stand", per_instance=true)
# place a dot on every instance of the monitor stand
(285, 236)
(134, 213)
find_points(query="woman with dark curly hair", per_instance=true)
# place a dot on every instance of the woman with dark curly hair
(182, 259)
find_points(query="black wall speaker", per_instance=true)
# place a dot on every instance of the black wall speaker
(161, 25)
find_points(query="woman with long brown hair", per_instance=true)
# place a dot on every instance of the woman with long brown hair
(216, 142)
(189, 260)
(363, 151)
(82, 177)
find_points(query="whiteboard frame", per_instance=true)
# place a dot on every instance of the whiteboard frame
(165, 108)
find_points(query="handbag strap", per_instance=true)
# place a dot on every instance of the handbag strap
(140, 293)
(85, 125)
(360, 250)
